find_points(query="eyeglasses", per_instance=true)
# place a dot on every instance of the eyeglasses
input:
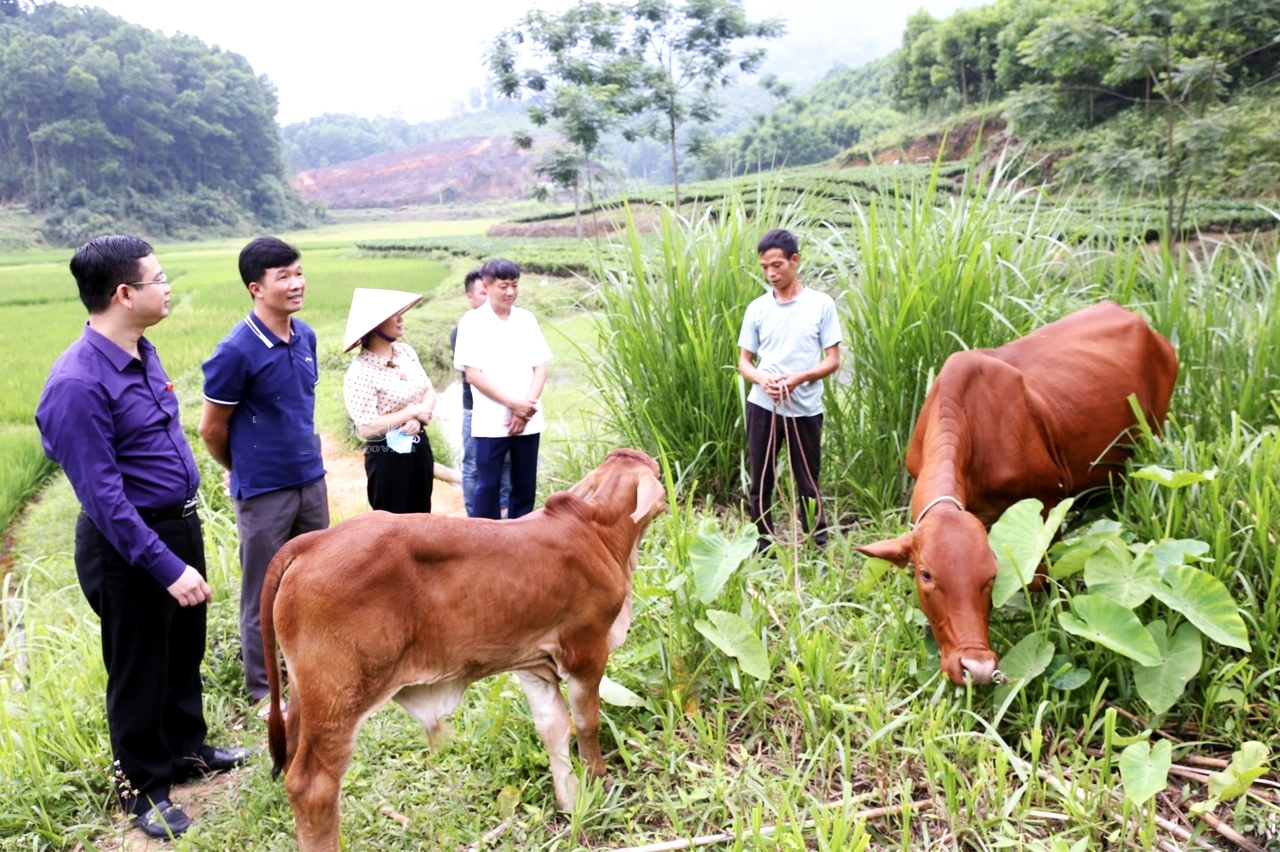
(159, 279)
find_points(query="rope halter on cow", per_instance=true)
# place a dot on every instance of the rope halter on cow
(935, 501)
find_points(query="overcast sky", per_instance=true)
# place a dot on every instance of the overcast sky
(416, 58)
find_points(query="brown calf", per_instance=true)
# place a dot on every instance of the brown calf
(416, 607)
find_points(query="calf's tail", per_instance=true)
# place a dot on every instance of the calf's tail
(275, 719)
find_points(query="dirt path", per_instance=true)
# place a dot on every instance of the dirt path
(346, 482)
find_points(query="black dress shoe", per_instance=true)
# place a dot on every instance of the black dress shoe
(163, 820)
(210, 760)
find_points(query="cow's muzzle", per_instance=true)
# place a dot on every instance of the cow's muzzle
(976, 665)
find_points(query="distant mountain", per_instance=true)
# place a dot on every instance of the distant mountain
(451, 171)
(334, 138)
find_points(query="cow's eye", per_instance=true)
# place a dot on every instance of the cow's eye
(926, 576)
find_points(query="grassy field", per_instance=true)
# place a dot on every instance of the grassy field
(786, 703)
(38, 299)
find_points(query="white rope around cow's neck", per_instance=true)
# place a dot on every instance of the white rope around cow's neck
(935, 501)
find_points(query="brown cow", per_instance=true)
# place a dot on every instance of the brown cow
(416, 607)
(1046, 416)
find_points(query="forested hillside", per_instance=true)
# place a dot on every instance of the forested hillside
(333, 138)
(105, 125)
(845, 107)
(1138, 95)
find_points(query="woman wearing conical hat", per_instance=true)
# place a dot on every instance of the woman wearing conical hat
(390, 400)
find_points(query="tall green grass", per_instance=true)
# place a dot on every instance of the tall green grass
(671, 310)
(928, 274)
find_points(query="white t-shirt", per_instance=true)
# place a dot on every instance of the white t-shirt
(507, 351)
(788, 337)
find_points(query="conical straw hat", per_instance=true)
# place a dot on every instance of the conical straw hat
(370, 309)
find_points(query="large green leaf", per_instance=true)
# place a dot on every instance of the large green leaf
(1019, 540)
(1111, 626)
(714, 558)
(1029, 658)
(1070, 559)
(1204, 601)
(1144, 769)
(1247, 765)
(732, 634)
(1087, 540)
(1174, 479)
(1161, 686)
(1116, 574)
(1178, 551)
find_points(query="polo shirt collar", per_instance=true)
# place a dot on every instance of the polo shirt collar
(266, 335)
(116, 356)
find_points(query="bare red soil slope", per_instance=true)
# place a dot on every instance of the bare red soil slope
(446, 172)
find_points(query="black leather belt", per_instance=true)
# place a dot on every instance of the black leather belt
(170, 513)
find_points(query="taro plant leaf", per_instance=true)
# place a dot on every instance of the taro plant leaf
(1023, 662)
(1114, 573)
(1070, 559)
(714, 558)
(732, 634)
(1065, 675)
(1204, 601)
(1161, 686)
(1029, 658)
(1144, 769)
(1111, 626)
(1246, 766)
(1174, 479)
(1020, 539)
(1103, 526)
(612, 692)
(1178, 551)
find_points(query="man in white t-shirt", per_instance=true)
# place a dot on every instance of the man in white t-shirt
(790, 341)
(504, 356)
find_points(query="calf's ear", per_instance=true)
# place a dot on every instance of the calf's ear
(648, 492)
(895, 550)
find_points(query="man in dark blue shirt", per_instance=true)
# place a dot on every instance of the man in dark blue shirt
(109, 416)
(259, 423)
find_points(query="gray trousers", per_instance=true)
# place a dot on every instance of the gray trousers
(265, 523)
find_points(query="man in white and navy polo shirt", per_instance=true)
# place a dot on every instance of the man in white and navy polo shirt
(259, 423)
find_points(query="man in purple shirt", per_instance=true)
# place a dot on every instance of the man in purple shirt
(108, 415)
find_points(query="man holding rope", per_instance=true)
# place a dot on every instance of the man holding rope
(790, 341)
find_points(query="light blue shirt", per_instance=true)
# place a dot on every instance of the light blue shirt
(788, 337)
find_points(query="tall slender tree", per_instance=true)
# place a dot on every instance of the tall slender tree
(577, 71)
(689, 52)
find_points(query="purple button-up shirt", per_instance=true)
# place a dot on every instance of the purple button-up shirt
(111, 421)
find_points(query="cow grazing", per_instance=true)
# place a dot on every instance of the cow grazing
(1046, 416)
(416, 607)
